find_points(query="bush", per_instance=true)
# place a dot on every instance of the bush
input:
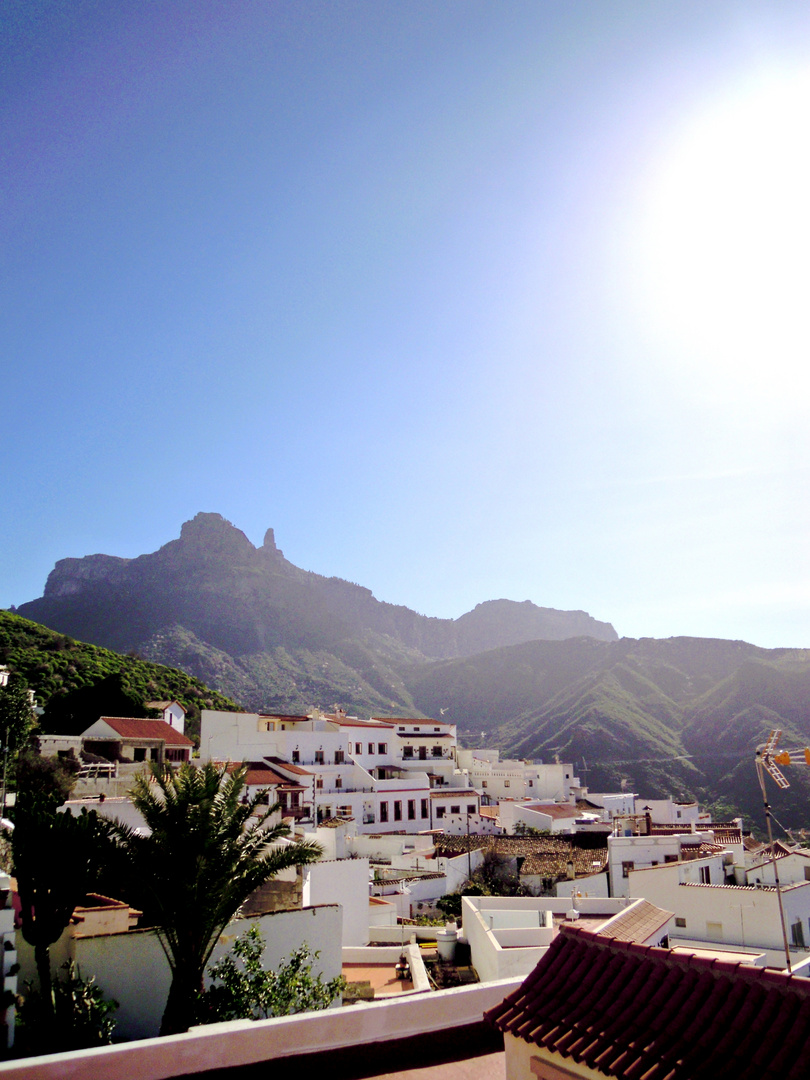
(246, 991)
(83, 1016)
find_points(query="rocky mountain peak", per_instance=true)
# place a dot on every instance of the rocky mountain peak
(214, 536)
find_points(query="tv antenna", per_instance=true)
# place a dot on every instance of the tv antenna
(768, 761)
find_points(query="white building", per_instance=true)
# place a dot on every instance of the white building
(707, 909)
(380, 773)
(512, 779)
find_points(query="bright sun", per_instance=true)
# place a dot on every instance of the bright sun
(726, 240)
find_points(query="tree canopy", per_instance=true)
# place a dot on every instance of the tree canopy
(207, 850)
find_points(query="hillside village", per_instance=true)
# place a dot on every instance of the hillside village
(407, 818)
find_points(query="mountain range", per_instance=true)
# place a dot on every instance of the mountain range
(679, 715)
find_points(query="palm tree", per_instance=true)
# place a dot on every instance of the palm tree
(203, 858)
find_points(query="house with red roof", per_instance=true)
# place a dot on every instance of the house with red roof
(598, 1006)
(126, 738)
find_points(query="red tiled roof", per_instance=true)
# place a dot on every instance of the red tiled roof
(134, 728)
(288, 766)
(373, 726)
(260, 774)
(283, 716)
(552, 810)
(408, 720)
(632, 1011)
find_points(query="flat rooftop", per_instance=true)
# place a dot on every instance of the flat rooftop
(382, 978)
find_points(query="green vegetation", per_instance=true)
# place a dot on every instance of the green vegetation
(75, 683)
(58, 859)
(17, 719)
(206, 853)
(82, 1017)
(244, 990)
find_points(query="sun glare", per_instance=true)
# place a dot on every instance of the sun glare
(726, 241)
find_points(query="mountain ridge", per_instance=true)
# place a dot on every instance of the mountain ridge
(675, 715)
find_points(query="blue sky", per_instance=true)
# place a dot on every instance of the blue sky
(465, 300)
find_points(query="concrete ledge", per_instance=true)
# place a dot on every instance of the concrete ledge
(356, 1033)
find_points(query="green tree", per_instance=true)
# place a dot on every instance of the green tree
(17, 722)
(244, 990)
(57, 861)
(208, 850)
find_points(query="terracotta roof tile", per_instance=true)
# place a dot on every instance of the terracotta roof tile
(289, 766)
(543, 856)
(636, 923)
(129, 727)
(557, 811)
(631, 1011)
(409, 720)
(375, 725)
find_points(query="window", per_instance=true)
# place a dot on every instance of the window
(626, 868)
(339, 757)
(531, 783)
(139, 753)
(296, 756)
(411, 809)
(807, 873)
(424, 808)
(670, 858)
(705, 875)
(455, 809)
(382, 748)
(397, 810)
(383, 811)
(154, 753)
(437, 729)
(295, 799)
(677, 813)
(797, 934)
(319, 757)
(345, 811)
(680, 921)
(439, 811)
(371, 747)
(470, 809)
(407, 751)
(358, 748)
(507, 783)
(437, 751)
(484, 783)
(319, 783)
(338, 781)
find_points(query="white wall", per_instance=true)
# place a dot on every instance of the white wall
(459, 869)
(133, 969)
(493, 922)
(594, 885)
(642, 851)
(737, 915)
(245, 1042)
(381, 846)
(343, 882)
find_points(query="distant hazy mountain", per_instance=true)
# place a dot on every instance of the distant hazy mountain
(268, 632)
(681, 715)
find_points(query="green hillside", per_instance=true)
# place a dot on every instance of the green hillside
(75, 682)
